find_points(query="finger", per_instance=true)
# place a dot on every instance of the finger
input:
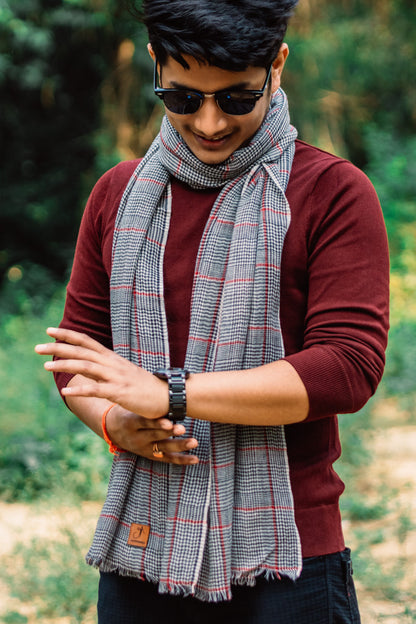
(92, 370)
(100, 390)
(177, 451)
(178, 430)
(173, 446)
(67, 351)
(75, 338)
(143, 439)
(178, 459)
(164, 425)
(164, 438)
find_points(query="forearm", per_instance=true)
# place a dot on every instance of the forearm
(272, 394)
(266, 396)
(88, 409)
(269, 395)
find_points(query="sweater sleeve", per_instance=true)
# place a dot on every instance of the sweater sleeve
(342, 357)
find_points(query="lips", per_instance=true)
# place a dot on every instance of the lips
(214, 142)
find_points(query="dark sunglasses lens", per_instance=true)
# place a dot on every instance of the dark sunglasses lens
(188, 102)
(182, 102)
(236, 103)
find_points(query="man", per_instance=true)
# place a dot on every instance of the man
(239, 277)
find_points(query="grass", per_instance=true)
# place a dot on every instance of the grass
(53, 574)
(375, 517)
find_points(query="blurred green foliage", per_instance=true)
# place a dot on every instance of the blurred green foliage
(353, 65)
(54, 57)
(46, 451)
(392, 168)
(75, 92)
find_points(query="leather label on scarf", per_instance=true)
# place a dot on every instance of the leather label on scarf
(139, 535)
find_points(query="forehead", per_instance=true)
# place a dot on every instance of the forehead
(209, 78)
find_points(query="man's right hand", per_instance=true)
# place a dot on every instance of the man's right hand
(138, 435)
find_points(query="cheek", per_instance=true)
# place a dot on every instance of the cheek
(181, 123)
(250, 127)
(174, 122)
(262, 112)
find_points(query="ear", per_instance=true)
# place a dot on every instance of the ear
(278, 65)
(151, 52)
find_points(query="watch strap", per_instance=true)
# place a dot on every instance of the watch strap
(177, 391)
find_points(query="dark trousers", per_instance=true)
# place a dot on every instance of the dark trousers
(324, 594)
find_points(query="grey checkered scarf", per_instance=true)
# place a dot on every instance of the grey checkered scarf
(229, 518)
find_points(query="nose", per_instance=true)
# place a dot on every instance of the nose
(209, 120)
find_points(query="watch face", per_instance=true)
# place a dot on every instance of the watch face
(162, 373)
(167, 373)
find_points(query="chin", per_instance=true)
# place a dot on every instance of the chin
(211, 160)
(210, 157)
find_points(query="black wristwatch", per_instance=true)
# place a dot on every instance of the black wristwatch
(177, 392)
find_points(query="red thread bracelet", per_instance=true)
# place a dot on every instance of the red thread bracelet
(111, 447)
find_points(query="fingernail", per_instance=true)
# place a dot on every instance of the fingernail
(166, 425)
(177, 430)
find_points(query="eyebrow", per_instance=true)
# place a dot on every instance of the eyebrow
(236, 87)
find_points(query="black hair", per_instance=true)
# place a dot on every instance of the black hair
(230, 34)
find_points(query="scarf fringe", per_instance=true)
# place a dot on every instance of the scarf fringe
(250, 580)
(178, 589)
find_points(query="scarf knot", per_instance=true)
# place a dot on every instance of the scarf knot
(266, 145)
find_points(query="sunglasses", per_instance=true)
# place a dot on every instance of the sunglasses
(188, 101)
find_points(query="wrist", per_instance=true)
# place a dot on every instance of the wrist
(111, 446)
(175, 379)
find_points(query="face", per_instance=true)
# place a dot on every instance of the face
(211, 134)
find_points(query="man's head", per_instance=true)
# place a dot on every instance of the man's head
(210, 133)
(230, 34)
(212, 46)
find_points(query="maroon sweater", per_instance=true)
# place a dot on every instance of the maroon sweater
(334, 307)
